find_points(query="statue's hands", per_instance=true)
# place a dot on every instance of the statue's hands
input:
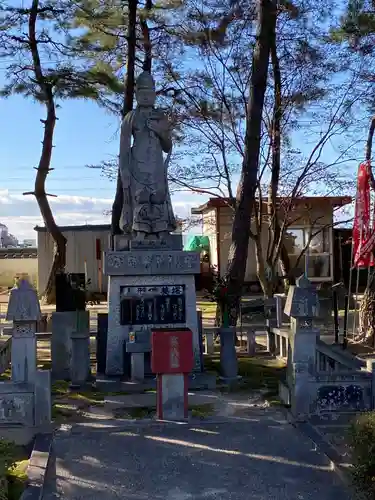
(160, 125)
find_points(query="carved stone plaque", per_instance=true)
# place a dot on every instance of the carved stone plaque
(156, 305)
(142, 262)
(16, 409)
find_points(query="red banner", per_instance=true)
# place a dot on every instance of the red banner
(363, 230)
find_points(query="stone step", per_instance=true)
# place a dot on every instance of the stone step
(338, 354)
(148, 400)
(197, 381)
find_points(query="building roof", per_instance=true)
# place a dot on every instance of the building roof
(18, 253)
(335, 201)
(85, 227)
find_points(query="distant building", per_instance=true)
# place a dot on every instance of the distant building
(29, 243)
(7, 240)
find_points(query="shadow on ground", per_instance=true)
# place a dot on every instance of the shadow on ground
(262, 457)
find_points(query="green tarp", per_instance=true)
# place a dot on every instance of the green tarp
(198, 244)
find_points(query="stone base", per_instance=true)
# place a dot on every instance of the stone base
(23, 436)
(137, 366)
(172, 397)
(80, 368)
(119, 334)
(123, 243)
(151, 263)
(23, 359)
(196, 381)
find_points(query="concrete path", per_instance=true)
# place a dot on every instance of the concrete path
(260, 457)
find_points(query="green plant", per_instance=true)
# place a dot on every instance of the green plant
(11, 477)
(362, 441)
(202, 411)
(218, 292)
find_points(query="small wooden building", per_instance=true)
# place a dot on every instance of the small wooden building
(308, 214)
(84, 249)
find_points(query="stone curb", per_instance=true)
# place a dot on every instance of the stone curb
(41, 460)
(324, 446)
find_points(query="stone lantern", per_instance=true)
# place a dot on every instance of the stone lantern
(302, 306)
(24, 311)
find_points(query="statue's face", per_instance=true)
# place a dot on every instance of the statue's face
(145, 97)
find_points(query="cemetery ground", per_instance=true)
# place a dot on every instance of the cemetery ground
(236, 443)
(223, 431)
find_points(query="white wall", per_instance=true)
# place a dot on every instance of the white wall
(209, 229)
(9, 268)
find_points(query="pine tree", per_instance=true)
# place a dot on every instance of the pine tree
(128, 37)
(37, 40)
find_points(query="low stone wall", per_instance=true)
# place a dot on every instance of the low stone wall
(5, 354)
(341, 392)
(322, 380)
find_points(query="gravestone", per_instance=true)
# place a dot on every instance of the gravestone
(101, 342)
(80, 368)
(302, 306)
(69, 327)
(24, 311)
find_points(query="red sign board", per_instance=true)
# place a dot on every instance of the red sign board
(172, 350)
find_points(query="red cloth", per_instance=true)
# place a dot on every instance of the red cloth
(363, 231)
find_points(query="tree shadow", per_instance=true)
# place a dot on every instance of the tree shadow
(139, 461)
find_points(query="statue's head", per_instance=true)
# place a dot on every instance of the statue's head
(145, 89)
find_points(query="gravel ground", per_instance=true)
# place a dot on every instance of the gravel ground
(258, 457)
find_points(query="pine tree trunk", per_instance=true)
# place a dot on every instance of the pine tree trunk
(128, 106)
(238, 252)
(278, 252)
(59, 261)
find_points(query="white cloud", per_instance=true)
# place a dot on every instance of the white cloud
(21, 213)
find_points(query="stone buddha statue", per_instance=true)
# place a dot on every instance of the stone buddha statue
(147, 210)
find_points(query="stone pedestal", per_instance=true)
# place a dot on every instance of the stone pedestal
(302, 306)
(251, 343)
(24, 357)
(172, 390)
(24, 311)
(80, 369)
(101, 342)
(42, 394)
(149, 288)
(228, 355)
(209, 344)
(137, 366)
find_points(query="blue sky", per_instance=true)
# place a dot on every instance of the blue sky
(84, 134)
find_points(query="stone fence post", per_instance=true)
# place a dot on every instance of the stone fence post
(302, 305)
(24, 311)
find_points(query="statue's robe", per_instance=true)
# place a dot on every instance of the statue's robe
(147, 204)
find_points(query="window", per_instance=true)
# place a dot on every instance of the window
(317, 256)
(294, 241)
